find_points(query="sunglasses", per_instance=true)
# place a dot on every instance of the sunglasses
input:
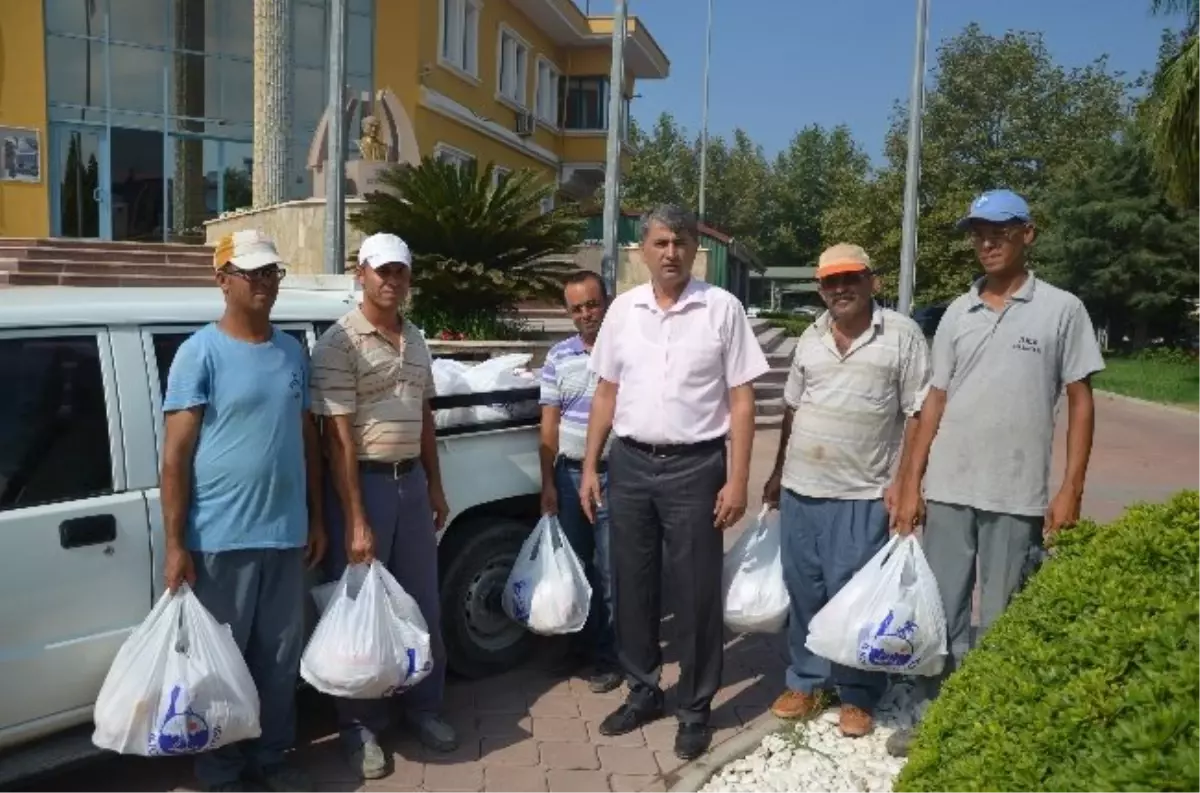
(843, 279)
(270, 274)
(996, 235)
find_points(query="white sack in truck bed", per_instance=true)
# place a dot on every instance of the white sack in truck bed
(502, 373)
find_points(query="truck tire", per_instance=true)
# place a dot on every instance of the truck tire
(480, 638)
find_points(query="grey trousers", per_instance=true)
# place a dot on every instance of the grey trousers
(1008, 549)
(399, 513)
(260, 595)
(656, 500)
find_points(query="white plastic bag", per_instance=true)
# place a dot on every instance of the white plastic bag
(448, 378)
(756, 598)
(371, 640)
(547, 590)
(502, 373)
(888, 617)
(178, 685)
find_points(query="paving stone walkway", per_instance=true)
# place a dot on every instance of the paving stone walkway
(526, 730)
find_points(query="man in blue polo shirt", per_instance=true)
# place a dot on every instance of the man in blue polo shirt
(567, 389)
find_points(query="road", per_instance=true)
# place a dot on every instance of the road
(1141, 453)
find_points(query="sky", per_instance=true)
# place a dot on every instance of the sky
(779, 65)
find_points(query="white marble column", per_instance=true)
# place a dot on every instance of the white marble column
(272, 99)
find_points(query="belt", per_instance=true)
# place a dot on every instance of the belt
(674, 449)
(394, 470)
(577, 465)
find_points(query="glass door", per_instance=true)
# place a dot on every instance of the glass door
(81, 186)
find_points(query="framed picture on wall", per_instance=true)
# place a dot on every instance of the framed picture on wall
(20, 155)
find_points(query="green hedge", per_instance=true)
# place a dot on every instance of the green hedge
(792, 324)
(1090, 679)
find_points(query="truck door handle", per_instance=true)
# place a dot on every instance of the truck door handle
(90, 530)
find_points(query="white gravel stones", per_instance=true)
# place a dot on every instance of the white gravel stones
(815, 757)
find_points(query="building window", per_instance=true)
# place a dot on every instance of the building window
(499, 174)
(452, 156)
(547, 204)
(460, 35)
(586, 102)
(513, 67)
(548, 79)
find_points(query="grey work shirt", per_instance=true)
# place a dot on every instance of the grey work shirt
(1003, 373)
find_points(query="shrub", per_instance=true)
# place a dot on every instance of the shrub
(1089, 680)
(792, 324)
(480, 243)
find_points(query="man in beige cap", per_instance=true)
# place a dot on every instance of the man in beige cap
(372, 380)
(855, 386)
(241, 497)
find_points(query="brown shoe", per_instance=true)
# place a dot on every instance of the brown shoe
(855, 722)
(793, 705)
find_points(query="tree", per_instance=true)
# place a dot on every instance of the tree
(999, 113)
(480, 245)
(775, 208)
(1173, 106)
(816, 170)
(1115, 240)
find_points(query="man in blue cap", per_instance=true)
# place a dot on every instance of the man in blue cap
(1003, 355)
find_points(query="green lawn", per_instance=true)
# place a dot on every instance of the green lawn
(1168, 382)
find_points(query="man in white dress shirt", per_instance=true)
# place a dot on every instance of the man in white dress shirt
(676, 360)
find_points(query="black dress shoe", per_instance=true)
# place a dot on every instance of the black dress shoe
(692, 740)
(628, 718)
(604, 679)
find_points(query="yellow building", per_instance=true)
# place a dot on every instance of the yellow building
(133, 119)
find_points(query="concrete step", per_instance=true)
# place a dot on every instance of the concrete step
(65, 243)
(10, 278)
(776, 374)
(767, 422)
(190, 256)
(771, 338)
(108, 268)
(767, 389)
(769, 407)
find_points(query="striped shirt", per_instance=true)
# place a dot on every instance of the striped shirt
(568, 385)
(851, 409)
(358, 371)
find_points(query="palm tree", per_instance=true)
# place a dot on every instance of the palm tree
(481, 244)
(1173, 108)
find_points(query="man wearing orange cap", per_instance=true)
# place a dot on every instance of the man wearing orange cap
(855, 384)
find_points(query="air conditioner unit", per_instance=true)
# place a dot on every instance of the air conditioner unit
(525, 124)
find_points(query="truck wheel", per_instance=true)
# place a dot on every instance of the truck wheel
(480, 638)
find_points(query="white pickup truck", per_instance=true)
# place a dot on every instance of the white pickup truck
(82, 372)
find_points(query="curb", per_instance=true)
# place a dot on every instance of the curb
(695, 774)
(1182, 411)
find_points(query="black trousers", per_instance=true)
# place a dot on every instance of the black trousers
(656, 501)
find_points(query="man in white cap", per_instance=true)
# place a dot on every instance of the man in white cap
(855, 386)
(241, 497)
(372, 380)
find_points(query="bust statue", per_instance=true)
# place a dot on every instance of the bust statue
(372, 148)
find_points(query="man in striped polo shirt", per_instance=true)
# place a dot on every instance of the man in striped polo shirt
(855, 386)
(567, 388)
(372, 379)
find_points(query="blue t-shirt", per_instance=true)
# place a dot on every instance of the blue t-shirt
(248, 481)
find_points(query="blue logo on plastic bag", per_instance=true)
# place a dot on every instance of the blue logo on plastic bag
(409, 672)
(185, 732)
(521, 600)
(890, 646)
